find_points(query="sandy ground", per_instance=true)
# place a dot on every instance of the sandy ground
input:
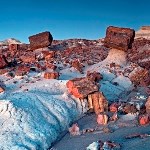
(118, 135)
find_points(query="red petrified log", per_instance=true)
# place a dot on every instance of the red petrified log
(119, 38)
(40, 40)
(81, 87)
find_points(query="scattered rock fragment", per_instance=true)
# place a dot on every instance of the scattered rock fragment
(51, 75)
(22, 70)
(147, 105)
(94, 76)
(102, 119)
(74, 130)
(2, 89)
(114, 107)
(140, 53)
(3, 62)
(28, 58)
(144, 119)
(77, 65)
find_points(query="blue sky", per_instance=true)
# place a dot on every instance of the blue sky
(70, 18)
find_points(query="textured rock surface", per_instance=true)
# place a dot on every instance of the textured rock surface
(140, 53)
(81, 87)
(28, 58)
(22, 70)
(147, 105)
(99, 102)
(140, 76)
(94, 76)
(51, 75)
(119, 38)
(40, 40)
(3, 62)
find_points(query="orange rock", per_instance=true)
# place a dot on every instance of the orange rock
(103, 103)
(95, 99)
(144, 120)
(102, 119)
(98, 102)
(28, 58)
(49, 55)
(81, 87)
(77, 65)
(51, 75)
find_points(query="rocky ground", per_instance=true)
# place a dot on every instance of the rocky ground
(43, 91)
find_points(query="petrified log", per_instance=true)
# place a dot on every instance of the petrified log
(40, 40)
(119, 38)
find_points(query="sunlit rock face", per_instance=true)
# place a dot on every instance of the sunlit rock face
(143, 32)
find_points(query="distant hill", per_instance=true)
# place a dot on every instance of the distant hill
(144, 32)
(10, 41)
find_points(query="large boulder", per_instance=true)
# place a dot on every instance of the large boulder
(40, 40)
(81, 87)
(119, 38)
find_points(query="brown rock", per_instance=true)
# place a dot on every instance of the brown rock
(81, 87)
(13, 47)
(2, 89)
(77, 65)
(140, 53)
(147, 105)
(95, 101)
(40, 40)
(51, 66)
(49, 55)
(3, 62)
(113, 107)
(51, 75)
(94, 76)
(103, 103)
(119, 38)
(140, 76)
(98, 102)
(129, 108)
(22, 70)
(28, 58)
